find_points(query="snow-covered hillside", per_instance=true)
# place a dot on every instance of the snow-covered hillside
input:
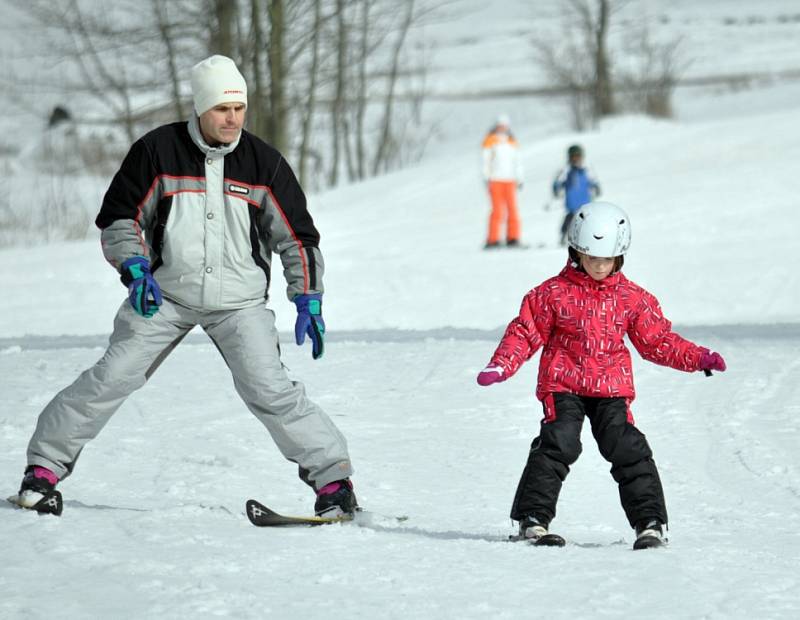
(710, 204)
(153, 524)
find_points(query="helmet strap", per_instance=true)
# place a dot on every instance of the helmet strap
(575, 259)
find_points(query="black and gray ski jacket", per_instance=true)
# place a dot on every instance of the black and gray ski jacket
(210, 218)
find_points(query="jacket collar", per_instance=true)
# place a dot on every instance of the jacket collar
(209, 151)
(573, 274)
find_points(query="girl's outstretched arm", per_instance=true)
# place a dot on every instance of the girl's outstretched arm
(651, 333)
(525, 334)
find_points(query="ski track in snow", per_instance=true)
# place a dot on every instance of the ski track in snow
(153, 517)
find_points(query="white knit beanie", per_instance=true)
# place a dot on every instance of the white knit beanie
(216, 80)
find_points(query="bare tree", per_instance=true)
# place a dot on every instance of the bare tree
(368, 116)
(255, 49)
(579, 61)
(361, 89)
(649, 83)
(353, 117)
(104, 72)
(328, 79)
(385, 141)
(603, 95)
(569, 67)
(337, 105)
(223, 27)
(119, 62)
(311, 93)
(165, 28)
(277, 72)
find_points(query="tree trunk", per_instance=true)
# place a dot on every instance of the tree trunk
(222, 39)
(339, 92)
(381, 157)
(164, 27)
(257, 102)
(311, 99)
(277, 120)
(361, 104)
(603, 90)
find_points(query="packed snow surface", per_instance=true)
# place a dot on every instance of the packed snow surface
(154, 525)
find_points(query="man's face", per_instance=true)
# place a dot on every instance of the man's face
(223, 123)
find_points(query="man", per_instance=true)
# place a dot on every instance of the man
(190, 222)
(578, 184)
(502, 173)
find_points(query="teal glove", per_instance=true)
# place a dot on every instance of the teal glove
(143, 291)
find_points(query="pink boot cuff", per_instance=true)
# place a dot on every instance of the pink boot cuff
(43, 472)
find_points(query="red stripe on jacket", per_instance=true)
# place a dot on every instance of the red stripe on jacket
(300, 247)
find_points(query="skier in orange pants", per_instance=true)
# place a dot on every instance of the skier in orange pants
(502, 172)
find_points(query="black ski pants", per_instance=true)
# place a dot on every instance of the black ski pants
(559, 445)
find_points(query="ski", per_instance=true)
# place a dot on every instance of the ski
(50, 503)
(648, 542)
(548, 540)
(261, 516)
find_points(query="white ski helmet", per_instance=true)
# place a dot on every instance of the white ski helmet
(600, 229)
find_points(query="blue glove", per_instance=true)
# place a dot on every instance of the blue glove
(309, 321)
(143, 291)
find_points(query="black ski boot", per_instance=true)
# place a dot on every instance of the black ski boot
(336, 499)
(649, 534)
(536, 532)
(38, 491)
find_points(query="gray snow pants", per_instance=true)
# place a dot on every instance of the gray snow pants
(247, 340)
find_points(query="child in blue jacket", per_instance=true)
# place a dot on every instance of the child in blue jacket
(578, 184)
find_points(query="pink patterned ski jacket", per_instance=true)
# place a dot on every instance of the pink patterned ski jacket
(581, 323)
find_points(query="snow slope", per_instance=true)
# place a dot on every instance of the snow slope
(153, 525)
(710, 205)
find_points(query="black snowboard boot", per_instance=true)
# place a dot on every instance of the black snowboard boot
(336, 499)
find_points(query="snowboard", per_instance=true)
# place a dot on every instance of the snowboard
(261, 516)
(51, 503)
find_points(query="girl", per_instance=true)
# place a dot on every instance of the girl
(580, 318)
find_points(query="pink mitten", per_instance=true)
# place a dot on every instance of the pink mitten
(491, 374)
(712, 361)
